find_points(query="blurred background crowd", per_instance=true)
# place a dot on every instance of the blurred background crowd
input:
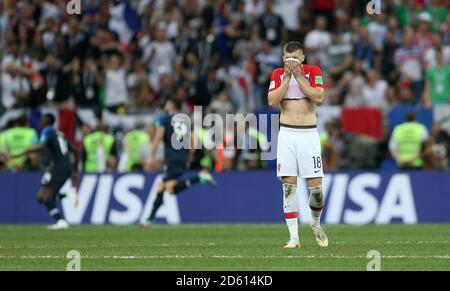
(108, 71)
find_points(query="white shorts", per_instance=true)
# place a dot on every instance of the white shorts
(299, 152)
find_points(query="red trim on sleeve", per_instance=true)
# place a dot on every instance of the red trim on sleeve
(275, 80)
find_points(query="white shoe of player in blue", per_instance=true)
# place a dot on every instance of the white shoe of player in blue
(319, 234)
(61, 224)
(292, 244)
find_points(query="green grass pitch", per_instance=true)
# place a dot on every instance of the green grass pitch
(224, 247)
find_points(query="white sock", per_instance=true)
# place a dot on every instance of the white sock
(315, 204)
(291, 209)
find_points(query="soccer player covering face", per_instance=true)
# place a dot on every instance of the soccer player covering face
(171, 126)
(298, 89)
(60, 169)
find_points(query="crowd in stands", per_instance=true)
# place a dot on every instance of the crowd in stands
(129, 57)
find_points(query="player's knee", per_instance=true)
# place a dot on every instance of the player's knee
(42, 198)
(289, 180)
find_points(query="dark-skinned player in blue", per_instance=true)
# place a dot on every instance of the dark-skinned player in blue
(60, 169)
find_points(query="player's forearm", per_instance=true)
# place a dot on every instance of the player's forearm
(277, 95)
(316, 95)
(33, 149)
(155, 147)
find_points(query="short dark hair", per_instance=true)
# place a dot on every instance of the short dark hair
(49, 119)
(410, 116)
(292, 46)
(177, 103)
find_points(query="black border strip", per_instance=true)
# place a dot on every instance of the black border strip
(298, 126)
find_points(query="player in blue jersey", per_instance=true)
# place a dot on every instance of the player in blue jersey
(173, 128)
(58, 150)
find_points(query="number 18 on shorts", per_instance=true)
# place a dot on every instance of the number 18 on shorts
(299, 153)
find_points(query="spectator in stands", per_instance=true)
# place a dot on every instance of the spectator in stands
(406, 11)
(18, 139)
(254, 8)
(354, 83)
(56, 88)
(445, 30)
(437, 86)
(116, 91)
(335, 94)
(317, 42)
(438, 13)
(271, 26)
(409, 143)
(392, 95)
(207, 86)
(90, 84)
(190, 67)
(377, 30)
(168, 16)
(238, 84)
(142, 93)
(395, 29)
(166, 89)
(136, 151)
(291, 13)
(388, 69)
(325, 8)
(423, 37)
(408, 58)
(266, 60)
(430, 58)
(99, 150)
(339, 55)
(15, 88)
(374, 90)
(363, 49)
(159, 55)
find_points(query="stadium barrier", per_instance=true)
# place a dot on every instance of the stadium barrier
(242, 197)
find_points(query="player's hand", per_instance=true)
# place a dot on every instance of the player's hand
(287, 71)
(296, 70)
(75, 177)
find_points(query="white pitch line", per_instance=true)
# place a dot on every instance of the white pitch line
(215, 244)
(121, 246)
(425, 242)
(438, 257)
